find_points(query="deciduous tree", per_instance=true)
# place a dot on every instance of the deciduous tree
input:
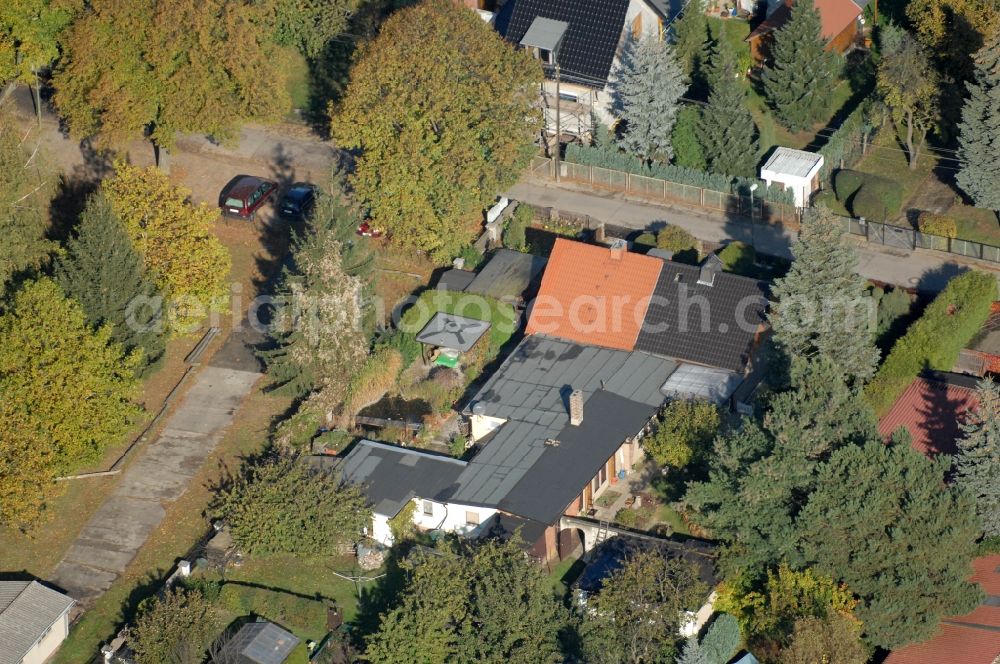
(176, 628)
(831, 639)
(23, 190)
(174, 238)
(646, 93)
(476, 603)
(684, 433)
(309, 25)
(131, 70)
(636, 615)
(977, 464)
(102, 271)
(801, 77)
(909, 86)
(282, 504)
(443, 112)
(822, 308)
(979, 151)
(67, 395)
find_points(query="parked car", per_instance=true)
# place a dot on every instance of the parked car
(245, 194)
(298, 202)
(367, 230)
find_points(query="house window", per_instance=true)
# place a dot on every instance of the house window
(545, 56)
(569, 96)
(428, 508)
(472, 518)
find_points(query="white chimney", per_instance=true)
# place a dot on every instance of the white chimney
(576, 408)
(184, 567)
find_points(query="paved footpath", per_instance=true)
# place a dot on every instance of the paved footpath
(158, 476)
(925, 270)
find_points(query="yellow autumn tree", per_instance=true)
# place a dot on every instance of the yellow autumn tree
(67, 395)
(174, 237)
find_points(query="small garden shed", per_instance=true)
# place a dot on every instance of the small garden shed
(451, 335)
(797, 170)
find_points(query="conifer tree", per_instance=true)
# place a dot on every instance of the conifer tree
(799, 81)
(821, 307)
(650, 83)
(102, 271)
(977, 464)
(979, 149)
(882, 520)
(691, 38)
(727, 132)
(721, 64)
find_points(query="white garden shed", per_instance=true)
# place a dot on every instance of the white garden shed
(797, 170)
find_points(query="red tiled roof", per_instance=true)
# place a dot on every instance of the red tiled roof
(835, 16)
(970, 639)
(594, 295)
(931, 411)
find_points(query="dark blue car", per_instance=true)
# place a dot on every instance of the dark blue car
(298, 201)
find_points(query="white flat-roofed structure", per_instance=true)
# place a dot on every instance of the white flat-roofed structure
(797, 170)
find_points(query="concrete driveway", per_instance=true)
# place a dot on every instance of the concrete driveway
(158, 476)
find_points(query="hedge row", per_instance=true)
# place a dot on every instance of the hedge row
(846, 142)
(934, 341)
(616, 160)
(870, 196)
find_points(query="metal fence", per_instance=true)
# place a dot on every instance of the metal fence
(669, 192)
(907, 238)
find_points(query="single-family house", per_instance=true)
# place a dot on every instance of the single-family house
(34, 621)
(260, 642)
(581, 41)
(840, 21)
(795, 170)
(932, 409)
(973, 638)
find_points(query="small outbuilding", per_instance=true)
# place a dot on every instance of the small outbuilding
(259, 643)
(34, 621)
(451, 335)
(797, 170)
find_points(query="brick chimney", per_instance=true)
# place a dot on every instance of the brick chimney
(618, 249)
(576, 408)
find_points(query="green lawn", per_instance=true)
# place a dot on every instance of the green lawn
(565, 573)
(976, 224)
(297, 70)
(885, 158)
(773, 134)
(670, 516)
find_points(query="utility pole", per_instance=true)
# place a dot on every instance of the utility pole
(558, 127)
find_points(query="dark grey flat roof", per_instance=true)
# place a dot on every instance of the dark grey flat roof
(507, 275)
(544, 33)
(391, 476)
(721, 319)
(534, 382)
(452, 332)
(560, 473)
(455, 280)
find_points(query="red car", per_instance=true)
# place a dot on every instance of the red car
(244, 195)
(367, 230)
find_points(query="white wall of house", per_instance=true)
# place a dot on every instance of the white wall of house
(452, 517)
(482, 425)
(48, 642)
(380, 529)
(692, 622)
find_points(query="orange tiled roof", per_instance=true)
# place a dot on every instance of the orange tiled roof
(835, 16)
(594, 295)
(970, 639)
(931, 411)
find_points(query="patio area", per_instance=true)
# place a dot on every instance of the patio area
(632, 502)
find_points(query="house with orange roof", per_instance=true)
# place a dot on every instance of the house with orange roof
(932, 409)
(840, 23)
(973, 638)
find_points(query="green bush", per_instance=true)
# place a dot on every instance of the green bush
(501, 316)
(687, 147)
(937, 224)
(844, 145)
(646, 239)
(517, 225)
(675, 239)
(866, 203)
(878, 198)
(406, 344)
(739, 257)
(847, 183)
(936, 338)
(627, 517)
(472, 256)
